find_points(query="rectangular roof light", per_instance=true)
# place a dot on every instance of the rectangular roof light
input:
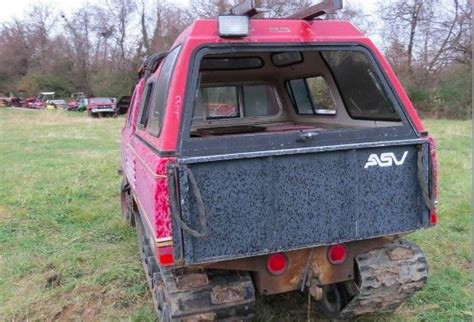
(233, 26)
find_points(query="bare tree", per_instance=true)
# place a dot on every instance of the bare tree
(143, 24)
(170, 21)
(430, 30)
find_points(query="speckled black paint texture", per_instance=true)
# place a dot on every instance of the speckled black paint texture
(278, 203)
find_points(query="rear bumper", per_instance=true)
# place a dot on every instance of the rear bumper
(299, 262)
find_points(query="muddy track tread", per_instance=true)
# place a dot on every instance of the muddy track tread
(175, 300)
(387, 277)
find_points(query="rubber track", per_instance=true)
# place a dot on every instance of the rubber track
(197, 295)
(387, 278)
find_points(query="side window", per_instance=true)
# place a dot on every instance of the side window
(145, 105)
(162, 88)
(130, 109)
(311, 96)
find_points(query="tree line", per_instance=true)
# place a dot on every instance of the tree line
(98, 48)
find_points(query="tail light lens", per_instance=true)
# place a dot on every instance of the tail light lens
(433, 217)
(337, 254)
(277, 264)
(165, 255)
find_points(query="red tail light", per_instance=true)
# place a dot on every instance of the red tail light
(433, 217)
(277, 264)
(165, 255)
(337, 254)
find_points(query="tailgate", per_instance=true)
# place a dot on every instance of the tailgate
(256, 204)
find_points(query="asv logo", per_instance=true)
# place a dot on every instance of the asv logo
(385, 160)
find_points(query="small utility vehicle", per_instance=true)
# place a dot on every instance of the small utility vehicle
(263, 156)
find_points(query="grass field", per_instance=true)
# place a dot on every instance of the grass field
(66, 254)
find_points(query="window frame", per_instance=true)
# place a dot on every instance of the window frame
(189, 146)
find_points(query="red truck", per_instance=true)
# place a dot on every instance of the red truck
(101, 106)
(265, 156)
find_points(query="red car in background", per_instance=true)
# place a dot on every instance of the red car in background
(101, 106)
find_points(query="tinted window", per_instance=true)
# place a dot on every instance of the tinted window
(359, 86)
(311, 96)
(145, 105)
(231, 63)
(259, 101)
(162, 88)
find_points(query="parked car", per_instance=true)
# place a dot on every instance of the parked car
(38, 104)
(101, 106)
(266, 156)
(57, 103)
(77, 106)
(123, 105)
(3, 101)
(15, 101)
(29, 101)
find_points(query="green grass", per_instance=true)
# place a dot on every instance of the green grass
(65, 252)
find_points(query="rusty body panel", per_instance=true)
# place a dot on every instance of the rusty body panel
(320, 270)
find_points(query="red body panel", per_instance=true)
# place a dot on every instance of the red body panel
(146, 170)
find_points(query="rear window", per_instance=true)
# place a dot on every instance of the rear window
(361, 90)
(100, 100)
(311, 96)
(235, 101)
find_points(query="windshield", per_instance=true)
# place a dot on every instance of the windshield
(101, 100)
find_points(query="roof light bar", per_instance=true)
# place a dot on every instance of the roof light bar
(233, 26)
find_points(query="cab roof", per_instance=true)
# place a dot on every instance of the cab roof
(275, 30)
